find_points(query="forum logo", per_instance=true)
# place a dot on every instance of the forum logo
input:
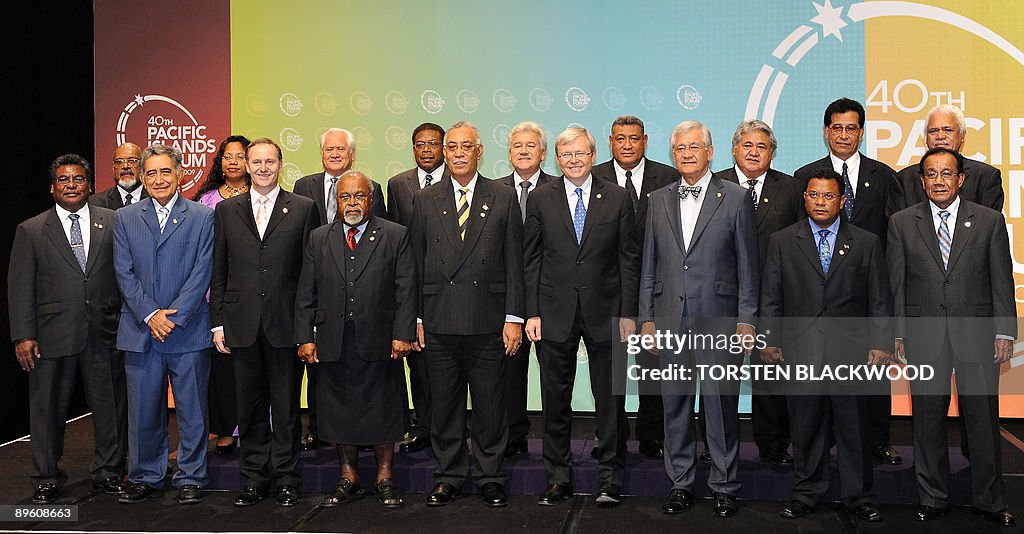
(577, 99)
(290, 139)
(431, 101)
(396, 102)
(360, 103)
(541, 100)
(325, 104)
(503, 100)
(290, 104)
(467, 101)
(688, 96)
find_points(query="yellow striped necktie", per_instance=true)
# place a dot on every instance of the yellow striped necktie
(463, 211)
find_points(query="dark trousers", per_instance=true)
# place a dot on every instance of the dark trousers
(814, 419)
(311, 398)
(516, 371)
(223, 408)
(650, 416)
(877, 414)
(50, 386)
(769, 415)
(419, 384)
(268, 382)
(453, 364)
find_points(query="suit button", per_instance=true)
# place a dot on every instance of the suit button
(579, 262)
(350, 314)
(442, 262)
(451, 283)
(821, 331)
(351, 300)
(262, 294)
(350, 284)
(263, 246)
(483, 261)
(822, 282)
(476, 284)
(945, 282)
(87, 301)
(681, 297)
(86, 279)
(353, 258)
(942, 306)
(686, 267)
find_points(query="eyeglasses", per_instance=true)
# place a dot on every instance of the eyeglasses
(694, 148)
(565, 156)
(454, 147)
(813, 195)
(945, 175)
(122, 161)
(945, 129)
(345, 197)
(850, 129)
(432, 144)
(233, 157)
(65, 180)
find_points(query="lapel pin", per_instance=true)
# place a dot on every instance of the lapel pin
(867, 184)
(719, 195)
(284, 210)
(482, 214)
(648, 195)
(486, 207)
(175, 221)
(846, 245)
(98, 225)
(372, 238)
(967, 224)
(765, 200)
(842, 252)
(599, 195)
(444, 212)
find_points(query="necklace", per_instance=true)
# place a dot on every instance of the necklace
(230, 191)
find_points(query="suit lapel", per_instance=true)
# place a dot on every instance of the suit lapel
(674, 220)
(281, 209)
(367, 245)
(244, 211)
(148, 216)
(55, 231)
(928, 235)
(712, 200)
(963, 233)
(771, 186)
(840, 250)
(97, 232)
(562, 208)
(865, 189)
(597, 202)
(174, 219)
(319, 195)
(338, 247)
(478, 216)
(808, 245)
(444, 203)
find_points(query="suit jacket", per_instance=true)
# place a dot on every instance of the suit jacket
(168, 270)
(601, 274)
(49, 298)
(717, 276)
(377, 290)
(312, 186)
(970, 301)
(983, 184)
(781, 204)
(878, 195)
(254, 280)
(401, 188)
(831, 318)
(111, 198)
(656, 176)
(468, 287)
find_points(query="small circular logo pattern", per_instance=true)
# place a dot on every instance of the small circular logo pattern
(688, 96)
(431, 101)
(325, 104)
(577, 99)
(396, 102)
(503, 100)
(360, 102)
(396, 137)
(290, 104)
(467, 101)
(540, 100)
(290, 139)
(650, 97)
(614, 99)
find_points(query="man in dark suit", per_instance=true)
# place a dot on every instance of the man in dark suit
(527, 149)
(946, 127)
(700, 274)
(581, 265)
(467, 241)
(163, 255)
(776, 198)
(427, 150)
(128, 188)
(952, 280)
(257, 258)
(355, 319)
(840, 321)
(64, 304)
(872, 194)
(630, 169)
(337, 154)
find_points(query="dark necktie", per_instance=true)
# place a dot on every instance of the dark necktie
(463, 211)
(128, 199)
(823, 252)
(524, 191)
(77, 245)
(351, 239)
(427, 180)
(753, 193)
(632, 190)
(848, 192)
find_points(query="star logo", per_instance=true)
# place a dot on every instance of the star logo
(830, 19)
(139, 100)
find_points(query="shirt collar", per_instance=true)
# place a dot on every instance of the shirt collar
(743, 177)
(570, 188)
(852, 163)
(832, 228)
(170, 203)
(471, 185)
(272, 195)
(953, 209)
(62, 213)
(638, 170)
(532, 179)
(359, 229)
(435, 174)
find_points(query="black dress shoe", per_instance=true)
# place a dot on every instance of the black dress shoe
(226, 449)
(867, 511)
(595, 454)
(345, 491)
(679, 501)
(725, 505)
(887, 455)
(1001, 518)
(309, 442)
(781, 457)
(516, 447)
(136, 493)
(705, 456)
(190, 494)
(795, 510)
(555, 494)
(413, 444)
(493, 495)
(652, 448)
(387, 494)
(249, 496)
(287, 496)
(608, 495)
(927, 513)
(45, 493)
(442, 494)
(111, 485)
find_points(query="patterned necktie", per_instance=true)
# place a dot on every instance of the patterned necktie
(261, 215)
(945, 240)
(351, 239)
(332, 200)
(753, 193)
(579, 216)
(77, 245)
(689, 190)
(463, 211)
(161, 215)
(823, 252)
(128, 199)
(524, 191)
(848, 192)
(632, 190)
(427, 180)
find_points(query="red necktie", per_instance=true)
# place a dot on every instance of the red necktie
(351, 239)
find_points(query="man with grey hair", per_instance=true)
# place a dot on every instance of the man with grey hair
(700, 274)
(163, 259)
(527, 149)
(777, 201)
(631, 169)
(337, 154)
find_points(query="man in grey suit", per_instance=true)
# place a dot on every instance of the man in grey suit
(64, 305)
(527, 149)
(700, 273)
(128, 187)
(952, 281)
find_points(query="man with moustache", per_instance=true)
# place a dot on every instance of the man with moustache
(952, 281)
(163, 255)
(427, 150)
(337, 154)
(581, 265)
(64, 303)
(467, 242)
(128, 188)
(358, 289)
(700, 274)
(527, 149)
(640, 176)
(259, 238)
(776, 198)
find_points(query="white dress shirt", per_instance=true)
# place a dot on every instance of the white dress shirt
(84, 222)
(637, 176)
(689, 207)
(852, 169)
(435, 176)
(758, 186)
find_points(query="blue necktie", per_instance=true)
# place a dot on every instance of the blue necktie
(77, 245)
(945, 240)
(823, 252)
(579, 216)
(848, 192)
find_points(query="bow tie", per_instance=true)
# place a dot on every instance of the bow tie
(689, 190)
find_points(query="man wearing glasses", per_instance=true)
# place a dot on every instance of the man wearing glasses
(128, 189)
(467, 240)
